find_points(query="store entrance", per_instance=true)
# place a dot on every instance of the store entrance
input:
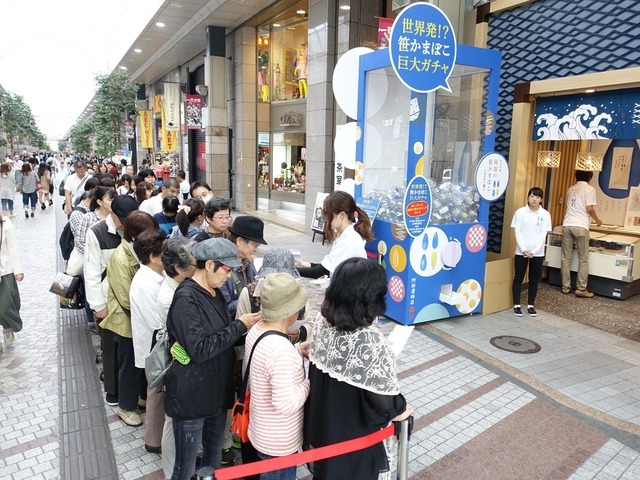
(282, 158)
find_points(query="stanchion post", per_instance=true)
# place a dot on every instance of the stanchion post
(403, 432)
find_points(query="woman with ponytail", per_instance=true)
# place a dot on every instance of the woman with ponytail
(189, 219)
(348, 227)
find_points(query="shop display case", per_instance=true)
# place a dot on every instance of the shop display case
(430, 143)
(613, 271)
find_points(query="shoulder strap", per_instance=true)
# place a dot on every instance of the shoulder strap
(126, 311)
(245, 379)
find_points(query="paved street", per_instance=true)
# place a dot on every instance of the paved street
(571, 410)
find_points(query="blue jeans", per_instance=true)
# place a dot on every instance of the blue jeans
(187, 434)
(33, 196)
(7, 205)
(288, 473)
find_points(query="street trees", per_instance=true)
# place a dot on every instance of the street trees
(115, 97)
(18, 123)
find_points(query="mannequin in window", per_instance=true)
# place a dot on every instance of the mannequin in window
(263, 76)
(301, 70)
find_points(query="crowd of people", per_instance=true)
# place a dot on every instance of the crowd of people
(153, 262)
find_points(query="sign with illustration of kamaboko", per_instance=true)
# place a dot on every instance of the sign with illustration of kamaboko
(423, 48)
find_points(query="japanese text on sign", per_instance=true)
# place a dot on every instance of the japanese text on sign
(417, 206)
(423, 47)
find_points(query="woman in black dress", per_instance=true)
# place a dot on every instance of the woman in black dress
(354, 386)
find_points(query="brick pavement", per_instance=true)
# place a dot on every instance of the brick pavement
(480, 412)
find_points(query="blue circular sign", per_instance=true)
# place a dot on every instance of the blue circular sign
(423, 48)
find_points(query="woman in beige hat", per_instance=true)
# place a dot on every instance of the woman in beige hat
(277, 379)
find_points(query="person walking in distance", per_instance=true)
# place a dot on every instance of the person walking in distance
(580, 200)
(531, 224)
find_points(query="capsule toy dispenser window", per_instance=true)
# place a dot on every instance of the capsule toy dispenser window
(417, 154)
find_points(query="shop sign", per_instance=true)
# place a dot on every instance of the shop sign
(291, 119)
(369, 205)
(492, 176)
(422, 48)
(417, 206)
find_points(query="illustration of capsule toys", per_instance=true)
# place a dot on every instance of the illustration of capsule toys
(423, 163)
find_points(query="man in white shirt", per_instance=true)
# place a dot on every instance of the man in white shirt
(153, 205)
(185, 187)
(74, 185)
(580, 201)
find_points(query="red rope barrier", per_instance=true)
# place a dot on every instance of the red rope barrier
(313, 455)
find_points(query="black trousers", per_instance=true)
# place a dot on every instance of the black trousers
(535, 273)
(109, 361)
(130, 378)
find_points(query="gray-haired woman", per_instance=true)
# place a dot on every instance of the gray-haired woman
(178, 264)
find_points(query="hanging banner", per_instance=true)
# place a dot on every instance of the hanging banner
(172, 106)
(384, 31)
(168, 138)
(145, 129)
(129, 129)
(156, 104)
(601, 115)
(422, 48)
(194, 112)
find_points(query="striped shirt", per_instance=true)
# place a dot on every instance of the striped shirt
(279, 390)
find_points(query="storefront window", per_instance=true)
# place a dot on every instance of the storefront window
(264, 179)
(289, 162)
(282, 59)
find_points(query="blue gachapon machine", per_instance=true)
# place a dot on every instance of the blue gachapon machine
(425, 138)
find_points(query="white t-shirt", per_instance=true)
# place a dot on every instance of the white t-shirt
(185, 187)
(579, 196)
(75, 185)
(152, 205)
(531, 229)
(348, 245)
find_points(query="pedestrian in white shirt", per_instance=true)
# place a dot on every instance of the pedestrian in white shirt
(143, 299)
(74, 185)
(185, 187)
(170, 188)
(531, 224)
(580, 201)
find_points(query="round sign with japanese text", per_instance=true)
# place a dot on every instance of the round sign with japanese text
(417, 206)
(492, 176)
(422, 48)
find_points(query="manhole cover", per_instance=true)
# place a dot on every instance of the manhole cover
(515, 344)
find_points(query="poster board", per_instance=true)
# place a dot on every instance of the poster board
(317, 219)
(632, 217)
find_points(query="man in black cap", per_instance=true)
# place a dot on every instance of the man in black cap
(102, 240)
(246, 233)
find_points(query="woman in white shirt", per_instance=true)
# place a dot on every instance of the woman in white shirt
(531, 224)
(10, 273)
(348, 227)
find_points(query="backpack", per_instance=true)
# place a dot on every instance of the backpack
(66, 239)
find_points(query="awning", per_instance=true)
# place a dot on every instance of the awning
(588, 116)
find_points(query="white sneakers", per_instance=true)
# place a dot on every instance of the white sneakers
(9, 337)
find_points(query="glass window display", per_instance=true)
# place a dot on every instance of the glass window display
(289, 162)
(453, 144)
(282, 59)
(264, 179)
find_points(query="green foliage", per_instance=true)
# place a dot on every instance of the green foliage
(81, 136)
(62, 145)
(115, 97)
(18, 123)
